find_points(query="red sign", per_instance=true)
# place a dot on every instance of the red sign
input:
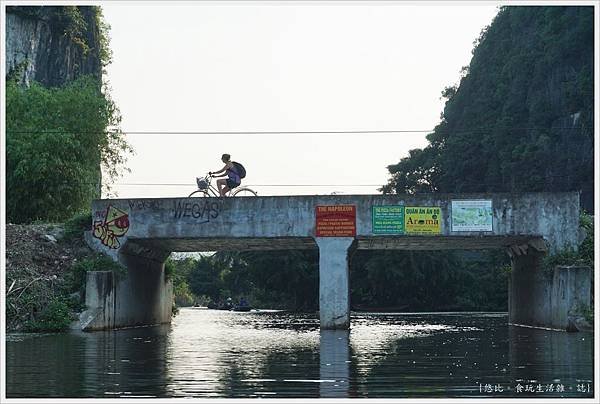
(336, 221)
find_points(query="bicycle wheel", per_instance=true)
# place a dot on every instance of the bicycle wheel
(199, 193)
(243, 192)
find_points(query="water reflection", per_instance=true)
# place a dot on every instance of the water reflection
(207, 353)
(128, 362)
(231, 354)
(550, 358)
(31, 361)
(101, 364)
(334, 350)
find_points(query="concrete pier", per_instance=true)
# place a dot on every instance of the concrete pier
(141, 296)
(334, 282)
(549, 299)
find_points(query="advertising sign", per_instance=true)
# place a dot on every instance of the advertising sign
(388, 219)
(422, 220)
(472, 215)
(336, 221)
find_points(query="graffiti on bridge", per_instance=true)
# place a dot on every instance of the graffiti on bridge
(145, 204)
(204, 210)
(114, 225)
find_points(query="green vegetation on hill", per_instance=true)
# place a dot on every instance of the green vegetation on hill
(60, 139)
(56, 143)
(521, 118)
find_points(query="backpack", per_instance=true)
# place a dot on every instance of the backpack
(240, 169)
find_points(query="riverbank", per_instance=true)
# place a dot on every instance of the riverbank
(45, 274)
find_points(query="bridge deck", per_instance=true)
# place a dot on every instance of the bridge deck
(293, 222)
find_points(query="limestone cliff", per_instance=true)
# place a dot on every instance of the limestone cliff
(53, 45)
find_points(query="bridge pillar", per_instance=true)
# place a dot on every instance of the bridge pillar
(140, 296)
(527, 290)
(334, 282)
(549, 299)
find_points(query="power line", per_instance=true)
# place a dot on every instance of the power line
(218, 132)
(443, 131)
(464, 181)
(299, 132)
(252, 185)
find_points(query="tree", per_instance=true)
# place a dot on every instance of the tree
(56, 143)
(521, 118)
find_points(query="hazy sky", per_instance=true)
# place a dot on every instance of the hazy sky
(269, 66)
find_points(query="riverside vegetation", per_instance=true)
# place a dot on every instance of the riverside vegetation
(46, 266)
(60, 137)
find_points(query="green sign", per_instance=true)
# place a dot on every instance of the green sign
(388, 219)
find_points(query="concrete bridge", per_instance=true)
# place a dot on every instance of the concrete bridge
(141, 233)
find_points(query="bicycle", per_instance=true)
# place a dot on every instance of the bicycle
(207, 190)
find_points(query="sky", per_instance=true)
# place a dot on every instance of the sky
(281, 67)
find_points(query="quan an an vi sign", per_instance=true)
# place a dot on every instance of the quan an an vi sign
(422, 220)
(400, 219)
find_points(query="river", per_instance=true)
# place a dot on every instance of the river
(210, 353)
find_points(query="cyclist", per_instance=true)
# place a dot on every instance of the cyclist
(233, 178)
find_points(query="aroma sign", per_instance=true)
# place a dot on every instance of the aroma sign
(422, 220)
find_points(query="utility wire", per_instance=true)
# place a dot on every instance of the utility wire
(441, 131)
(216, 132)
(507, 182)
(256, 185)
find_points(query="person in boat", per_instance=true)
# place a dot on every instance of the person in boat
(229, 304)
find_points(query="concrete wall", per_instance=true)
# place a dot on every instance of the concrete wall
(571, 291)
(142, 296)
(192, 224)
(543, 299)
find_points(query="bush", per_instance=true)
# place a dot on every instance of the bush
(585, 253)
(55, 317)
(56, 145)
(75, 279)
(76, 225)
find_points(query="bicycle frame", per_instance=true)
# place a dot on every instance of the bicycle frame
(212, 191)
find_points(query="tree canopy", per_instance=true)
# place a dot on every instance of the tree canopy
(56, 143)
(521, 117)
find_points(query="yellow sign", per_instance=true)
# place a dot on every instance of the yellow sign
(422, 220)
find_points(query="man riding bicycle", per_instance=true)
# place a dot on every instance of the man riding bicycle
(230, 171)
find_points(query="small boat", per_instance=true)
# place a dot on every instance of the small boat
(243, 305)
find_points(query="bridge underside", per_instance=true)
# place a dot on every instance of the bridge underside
(362, 243)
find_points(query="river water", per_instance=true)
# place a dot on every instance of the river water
(210, 353)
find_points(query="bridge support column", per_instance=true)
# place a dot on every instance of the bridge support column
(547, 299)
(334, 282)
(527, 291)
(140, 296)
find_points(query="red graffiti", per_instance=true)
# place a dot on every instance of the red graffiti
(114, 225)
